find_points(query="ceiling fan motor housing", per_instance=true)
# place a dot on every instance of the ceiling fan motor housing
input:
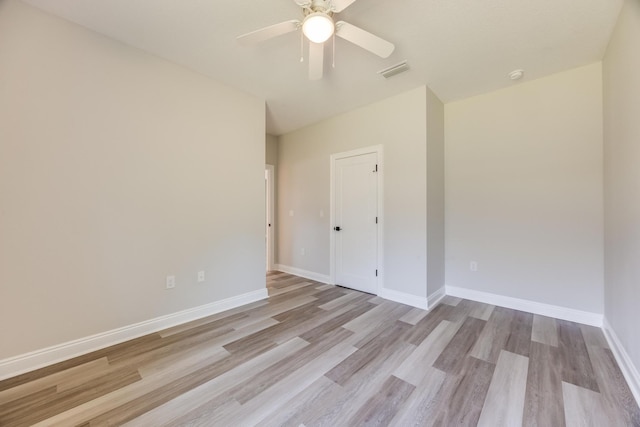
(319, 6)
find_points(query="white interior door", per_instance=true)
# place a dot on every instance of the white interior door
(356, 222)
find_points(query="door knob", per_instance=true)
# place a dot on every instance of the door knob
(337, 228)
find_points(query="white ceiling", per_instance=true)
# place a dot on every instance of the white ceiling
(458, 48)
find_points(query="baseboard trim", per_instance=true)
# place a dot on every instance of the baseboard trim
(629, 370)
(48, 356)
(322, 278)
(554, 311)
(435, 298)
(404, 298)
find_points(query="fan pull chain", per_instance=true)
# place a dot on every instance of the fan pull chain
(301, 47)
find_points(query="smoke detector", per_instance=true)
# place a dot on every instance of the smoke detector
(516, 75)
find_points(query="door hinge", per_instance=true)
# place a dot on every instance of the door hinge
(376, 273)
(376, 170)
(376, 221)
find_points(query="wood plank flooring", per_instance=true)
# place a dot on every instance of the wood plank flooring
(319, 355)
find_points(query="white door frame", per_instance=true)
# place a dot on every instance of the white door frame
(269, 216)
(332, 241)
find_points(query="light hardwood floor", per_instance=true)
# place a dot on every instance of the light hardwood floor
(316, 354)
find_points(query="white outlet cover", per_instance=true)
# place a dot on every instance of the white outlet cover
(200, 276)
(171, 282)
(290, 213)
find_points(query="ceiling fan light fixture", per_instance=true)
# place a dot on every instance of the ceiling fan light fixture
(318, 27)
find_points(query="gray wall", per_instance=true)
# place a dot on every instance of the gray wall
(435, 194)
(524, 191)
(116, 170)
(622, 180)
(397, 123)
(271, 150)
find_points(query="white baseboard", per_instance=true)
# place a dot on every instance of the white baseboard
(322, 278)
(404, 298)
(389, 294)
(629, 370)
(572, 315)
(40, 358)
(435, 298)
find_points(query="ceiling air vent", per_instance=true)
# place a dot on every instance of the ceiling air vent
(394, 69)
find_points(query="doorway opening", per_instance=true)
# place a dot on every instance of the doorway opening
(269, 216)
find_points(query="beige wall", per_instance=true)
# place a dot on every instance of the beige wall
(117, 169)
(621, 69)
(397, 123)
(435, 194)
(524, 191)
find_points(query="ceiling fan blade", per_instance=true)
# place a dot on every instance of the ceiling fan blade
(340, 5)
(267, 33)
(364, 39)
(316, 60)
(303, 3)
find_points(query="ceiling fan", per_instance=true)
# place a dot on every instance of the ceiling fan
(318, 26)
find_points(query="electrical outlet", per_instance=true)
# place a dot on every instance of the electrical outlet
(200, 276)
(302, 252)
(473, 266)
(171, 282)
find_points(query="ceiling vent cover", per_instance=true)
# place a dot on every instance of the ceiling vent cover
(394, 69)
